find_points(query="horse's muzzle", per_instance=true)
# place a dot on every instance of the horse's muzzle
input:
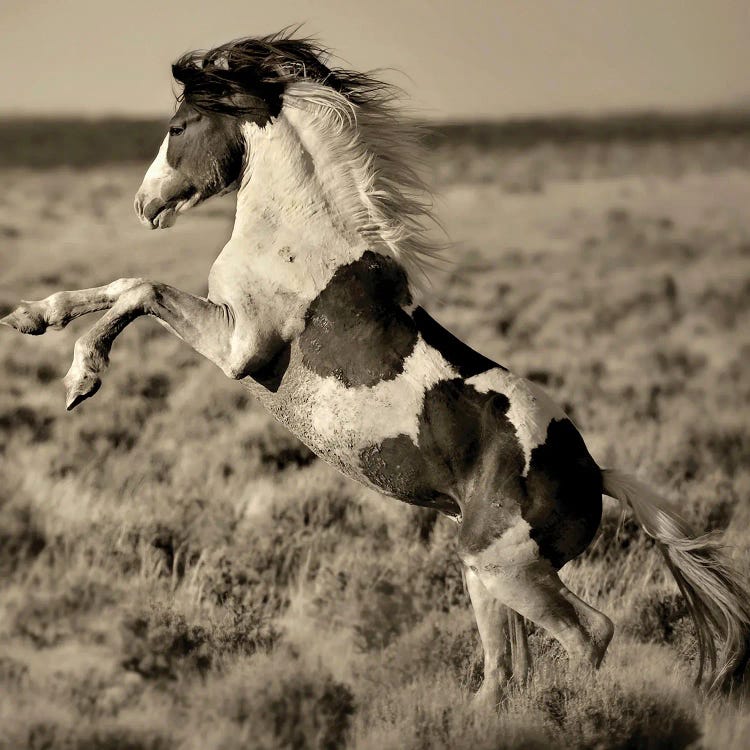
(156, 212)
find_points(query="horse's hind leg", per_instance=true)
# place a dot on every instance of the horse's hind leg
(598, 627)
(536, 592)
(492, 623)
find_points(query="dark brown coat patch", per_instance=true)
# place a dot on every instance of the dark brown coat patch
(356, 329)
(451, 446)
(564, 487)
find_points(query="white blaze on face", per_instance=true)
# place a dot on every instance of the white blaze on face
(160, 180)
(530, 411)
(159, 168)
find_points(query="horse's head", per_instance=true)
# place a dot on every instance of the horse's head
(204, 151)
(201, 156)
(337, 126)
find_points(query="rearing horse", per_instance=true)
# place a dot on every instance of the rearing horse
(311, 306)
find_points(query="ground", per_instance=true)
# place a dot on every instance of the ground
(178, 571)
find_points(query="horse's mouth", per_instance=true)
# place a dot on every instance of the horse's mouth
(164, 219)
(165, 215)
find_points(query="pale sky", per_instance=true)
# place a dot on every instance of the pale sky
(458, 59)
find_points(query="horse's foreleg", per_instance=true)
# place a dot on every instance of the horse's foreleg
(205, 326)
(57, 310)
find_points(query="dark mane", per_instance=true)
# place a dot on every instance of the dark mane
(225, 79)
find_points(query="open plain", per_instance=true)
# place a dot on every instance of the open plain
(176, 570)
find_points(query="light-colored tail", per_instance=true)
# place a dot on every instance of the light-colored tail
(520, 656)
(716, 594)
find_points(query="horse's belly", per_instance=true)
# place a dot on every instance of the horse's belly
(340, 422)
(429, 437)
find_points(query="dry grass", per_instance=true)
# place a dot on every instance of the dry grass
(178, 571)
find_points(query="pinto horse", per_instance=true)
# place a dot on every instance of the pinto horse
(311, 304)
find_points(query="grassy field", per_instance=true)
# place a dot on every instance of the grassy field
(176, 570)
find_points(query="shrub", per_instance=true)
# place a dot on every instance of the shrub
(13, 673)
(45, 734)
(623, 705)
(385, 610)
(432, 714)
(161, 643)
(595, 715)
(441, 643)
(270, 702)
(26, 420)
(48, 617)
(21, 536)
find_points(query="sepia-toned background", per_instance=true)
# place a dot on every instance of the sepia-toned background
(176, 570)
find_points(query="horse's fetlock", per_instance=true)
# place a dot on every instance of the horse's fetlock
(55, 310)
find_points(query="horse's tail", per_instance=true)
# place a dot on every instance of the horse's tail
(716, 594)
(520, 656)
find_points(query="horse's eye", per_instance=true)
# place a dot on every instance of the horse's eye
(176, 130)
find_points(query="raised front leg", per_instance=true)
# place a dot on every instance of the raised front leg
(57, 310)
(206, 326)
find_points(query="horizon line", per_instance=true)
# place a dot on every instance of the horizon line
(740, 108)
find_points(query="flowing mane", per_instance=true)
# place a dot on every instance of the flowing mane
(355, 112)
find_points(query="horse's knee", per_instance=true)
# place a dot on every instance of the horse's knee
(120, 286)
(144, 297)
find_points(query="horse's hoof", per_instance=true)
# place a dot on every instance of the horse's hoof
(79, 386)
(487, 698)
(26, 319)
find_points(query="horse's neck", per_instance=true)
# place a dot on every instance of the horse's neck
(288, 217)
(295, 227)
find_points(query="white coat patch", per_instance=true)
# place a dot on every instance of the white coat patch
(512, 550)
(345, 420)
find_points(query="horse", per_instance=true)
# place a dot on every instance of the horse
(313, 306)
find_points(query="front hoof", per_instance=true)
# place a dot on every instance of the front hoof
(79, 385)
(26, 318)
